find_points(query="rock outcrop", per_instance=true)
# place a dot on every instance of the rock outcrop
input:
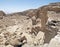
(2, 14)
(55, 42)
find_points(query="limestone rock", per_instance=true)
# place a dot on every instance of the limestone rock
(55, 42)
(45, 45)
(40, 38)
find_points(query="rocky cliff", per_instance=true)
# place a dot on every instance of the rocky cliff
(31, 28)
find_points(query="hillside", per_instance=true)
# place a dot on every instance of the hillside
(31, 28)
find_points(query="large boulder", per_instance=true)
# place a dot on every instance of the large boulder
(55, 42)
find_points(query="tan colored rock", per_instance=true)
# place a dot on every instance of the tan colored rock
(39, 39)
(6, 46)
(9, 46)
(45, 45)
(2, 39)
(14, 41)
(2, 45)
(28, 37)
(55, 42)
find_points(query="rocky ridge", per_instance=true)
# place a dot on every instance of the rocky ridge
(31, 28)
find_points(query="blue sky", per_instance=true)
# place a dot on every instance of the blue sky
(10, 6)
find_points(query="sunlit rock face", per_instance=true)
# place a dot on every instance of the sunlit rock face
(31, 28)
(55, 42)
